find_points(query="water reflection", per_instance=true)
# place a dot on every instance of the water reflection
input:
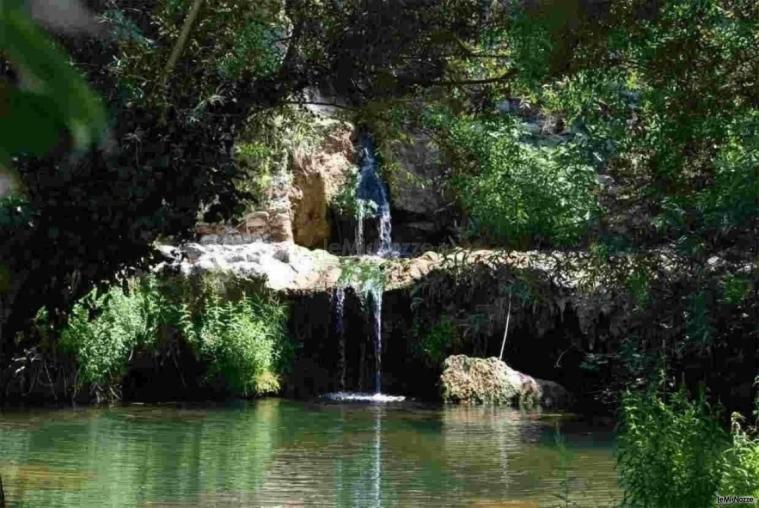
(276, 452)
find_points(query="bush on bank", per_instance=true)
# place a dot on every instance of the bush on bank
(237, 329)
(673, 452)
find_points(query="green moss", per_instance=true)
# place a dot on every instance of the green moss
(365, 276)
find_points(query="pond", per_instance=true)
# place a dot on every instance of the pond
(275, 452)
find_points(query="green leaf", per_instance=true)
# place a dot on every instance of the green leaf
(69, 100)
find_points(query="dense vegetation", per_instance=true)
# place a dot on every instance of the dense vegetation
(626, 130)
(235, 329)
(674, 452)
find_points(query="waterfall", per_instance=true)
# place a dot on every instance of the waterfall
(360, 229)
(386, 233)
(371, 193)
(338, 304)
(372, 200)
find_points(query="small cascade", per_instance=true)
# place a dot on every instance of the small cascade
(386, 234)
(373, 201)
(359, 234)
(372, 300)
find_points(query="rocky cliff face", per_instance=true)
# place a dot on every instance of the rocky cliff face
(416, 187)
(298, 201)
(318, 177)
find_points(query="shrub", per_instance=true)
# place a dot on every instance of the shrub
(670, 451)
(242, 338)
(105, 328)
(244, 342)
(515, 191)
(741, 474)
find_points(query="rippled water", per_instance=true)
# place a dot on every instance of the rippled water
(284, 453)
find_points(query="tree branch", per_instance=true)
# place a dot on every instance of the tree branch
(468, 82)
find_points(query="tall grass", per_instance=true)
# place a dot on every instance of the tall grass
(673, 452)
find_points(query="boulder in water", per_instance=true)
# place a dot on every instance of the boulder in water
(467, 380)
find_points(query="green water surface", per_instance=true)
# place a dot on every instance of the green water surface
(284, 453)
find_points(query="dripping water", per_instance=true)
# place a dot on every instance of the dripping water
(375, 295)
(338, 304)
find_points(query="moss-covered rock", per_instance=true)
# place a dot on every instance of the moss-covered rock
(467, 380)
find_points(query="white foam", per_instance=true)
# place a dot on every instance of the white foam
(362, 397)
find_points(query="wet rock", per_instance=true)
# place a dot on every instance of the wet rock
(552, 395)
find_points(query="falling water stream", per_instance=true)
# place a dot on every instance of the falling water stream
(376, 307)
(371, 193)
(372, 197)
(338, 303)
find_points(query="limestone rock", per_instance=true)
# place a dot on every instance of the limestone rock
(318, 176)
(413, 184)
(280, 228)
(467, 380)
(255, 224)
(284, 266)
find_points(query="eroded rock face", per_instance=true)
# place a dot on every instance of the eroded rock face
(298, 201)
(415, 184)
(318, 177)
(467, 380)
